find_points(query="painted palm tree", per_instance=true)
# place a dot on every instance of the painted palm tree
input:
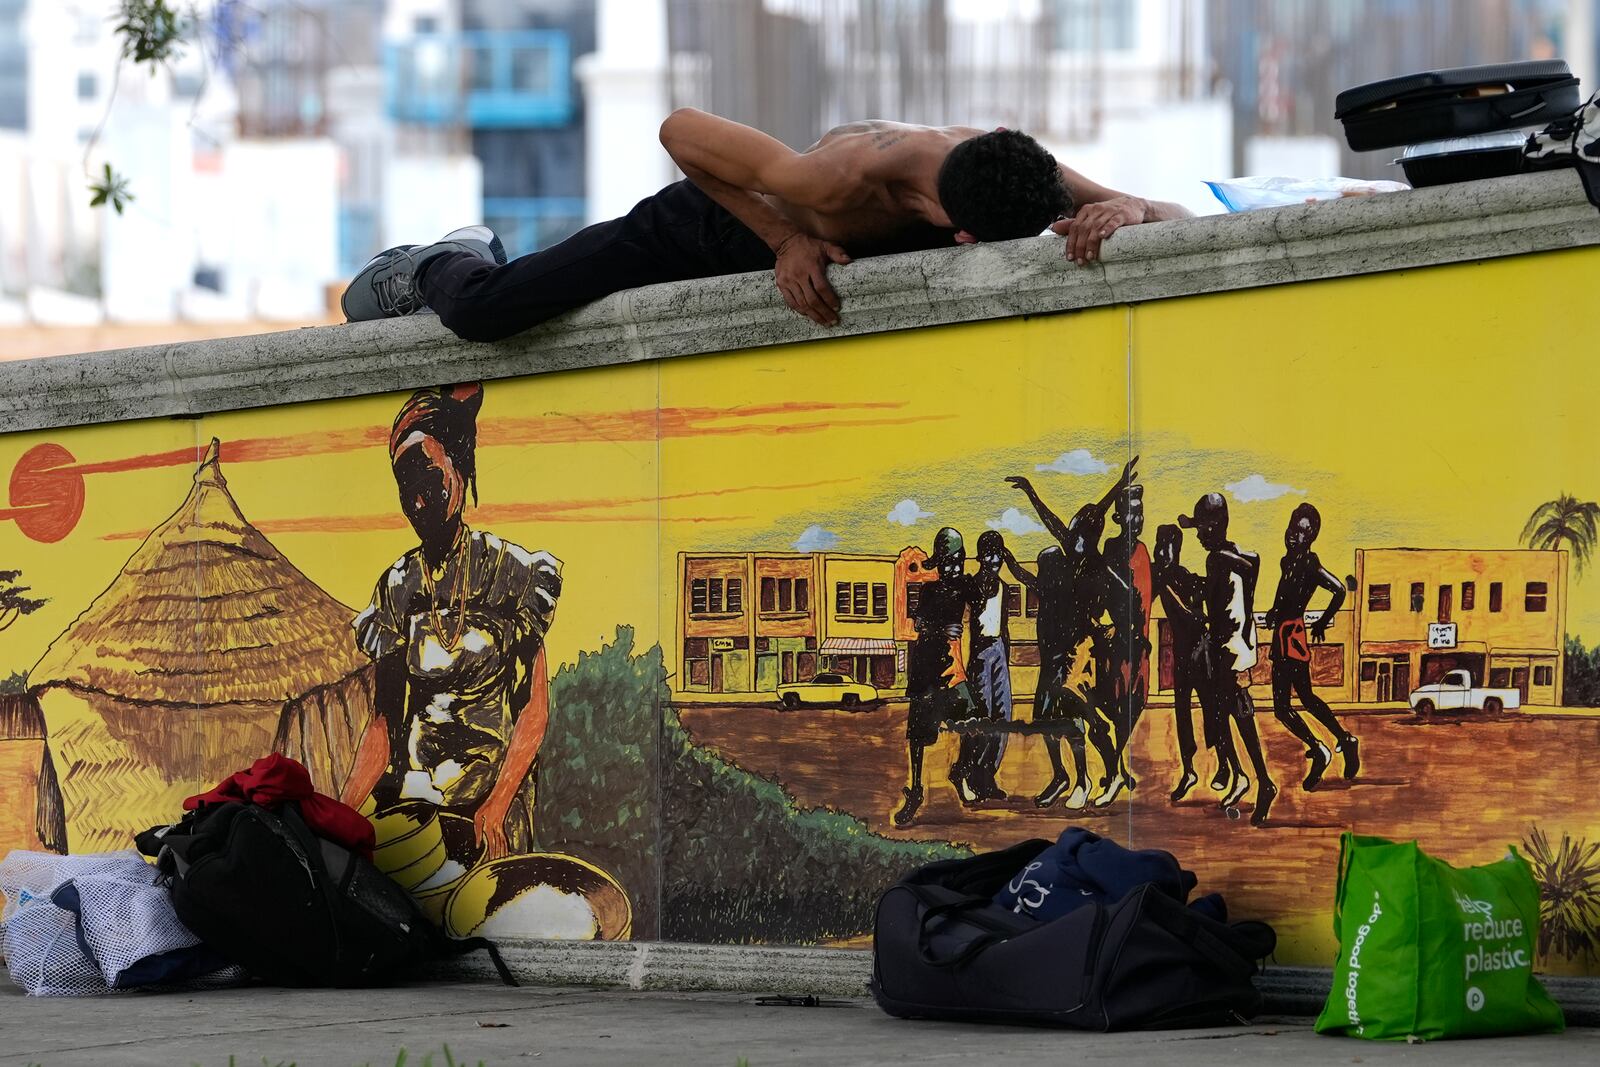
(1565, 522)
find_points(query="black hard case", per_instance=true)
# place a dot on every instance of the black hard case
(1430, 106)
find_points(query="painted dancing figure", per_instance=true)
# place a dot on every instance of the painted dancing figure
(1125, 679)
(1087, 595)
(1303, 574)
(989, 645)
(1061, 707)
(1182, 594)
(936, 676)
(1231, 575)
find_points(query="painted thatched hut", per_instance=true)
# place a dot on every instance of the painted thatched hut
(30, 818)
(203, 655)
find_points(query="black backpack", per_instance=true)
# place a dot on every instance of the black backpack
(942, 949)
(291, 908)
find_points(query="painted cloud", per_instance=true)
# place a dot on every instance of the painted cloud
(908, 513)
(816, 539)
(1078, 461)
(1013, 521)
(1255, 488)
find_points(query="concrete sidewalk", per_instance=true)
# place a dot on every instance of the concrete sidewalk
(506, 1027)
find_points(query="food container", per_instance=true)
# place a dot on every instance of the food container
(1464, 159)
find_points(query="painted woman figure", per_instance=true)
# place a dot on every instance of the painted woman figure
(456, 627)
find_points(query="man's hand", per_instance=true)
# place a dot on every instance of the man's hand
(1319, 629)
(802, 276)
(1095, 222)
(1020, 482)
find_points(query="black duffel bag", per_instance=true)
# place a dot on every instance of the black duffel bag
(942, 949)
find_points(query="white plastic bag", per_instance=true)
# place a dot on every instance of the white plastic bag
(1248, 194)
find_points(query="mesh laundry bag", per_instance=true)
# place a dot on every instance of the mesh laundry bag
(44, 956)
(80, 925)
(29, 876)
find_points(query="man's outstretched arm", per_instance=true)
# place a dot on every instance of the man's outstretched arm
(1099, 212)
(734, 165)
(1025, 577)
(1052, 522)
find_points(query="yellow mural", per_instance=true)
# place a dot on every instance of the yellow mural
(750, 514)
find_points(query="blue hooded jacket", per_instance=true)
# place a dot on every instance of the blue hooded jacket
(1083, 868)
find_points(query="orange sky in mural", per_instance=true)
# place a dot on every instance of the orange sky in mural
(47, 488)
(551, 511)
(640, 424)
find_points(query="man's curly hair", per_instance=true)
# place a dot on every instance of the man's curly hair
(1001, 186)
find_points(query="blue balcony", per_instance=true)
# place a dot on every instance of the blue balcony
(527, 224)
(482, 80)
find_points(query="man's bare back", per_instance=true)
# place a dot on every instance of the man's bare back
(864, 188)
(875, 159)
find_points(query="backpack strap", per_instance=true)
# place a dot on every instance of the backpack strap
(1196, 932)
(455, 946)
(973, 910)
(287, 823)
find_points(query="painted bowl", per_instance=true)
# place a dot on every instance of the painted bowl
(418, 872)
(410, 847)
(544, 895)
(433, 893)
(433, 896)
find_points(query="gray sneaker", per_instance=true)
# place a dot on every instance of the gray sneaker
(384, 288)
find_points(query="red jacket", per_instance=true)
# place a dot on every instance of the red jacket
(275, 779)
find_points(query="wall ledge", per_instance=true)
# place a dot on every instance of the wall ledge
(1447, 224)
(832, 972)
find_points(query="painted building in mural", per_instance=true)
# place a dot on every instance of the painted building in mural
(1377, 648)
(860, 627)
(1500, 615)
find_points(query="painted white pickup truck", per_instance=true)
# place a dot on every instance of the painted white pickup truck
(1455, 692)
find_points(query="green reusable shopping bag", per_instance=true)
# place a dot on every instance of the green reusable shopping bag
(1427, 950)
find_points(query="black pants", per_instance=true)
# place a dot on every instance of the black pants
(676, 234)
(1293, 676)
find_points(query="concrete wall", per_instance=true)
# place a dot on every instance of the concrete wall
(1317, 354)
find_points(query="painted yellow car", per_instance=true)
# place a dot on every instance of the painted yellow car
(827, 690)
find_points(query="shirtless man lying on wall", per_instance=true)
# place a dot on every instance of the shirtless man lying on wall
(750, 203)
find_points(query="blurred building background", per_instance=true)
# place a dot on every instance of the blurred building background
(291, 139)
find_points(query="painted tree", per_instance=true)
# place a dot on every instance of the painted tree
(1565, 522)
(14, 601)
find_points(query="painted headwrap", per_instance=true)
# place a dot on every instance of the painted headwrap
(449, 415)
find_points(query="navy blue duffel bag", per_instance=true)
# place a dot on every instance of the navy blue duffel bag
(943, 949)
